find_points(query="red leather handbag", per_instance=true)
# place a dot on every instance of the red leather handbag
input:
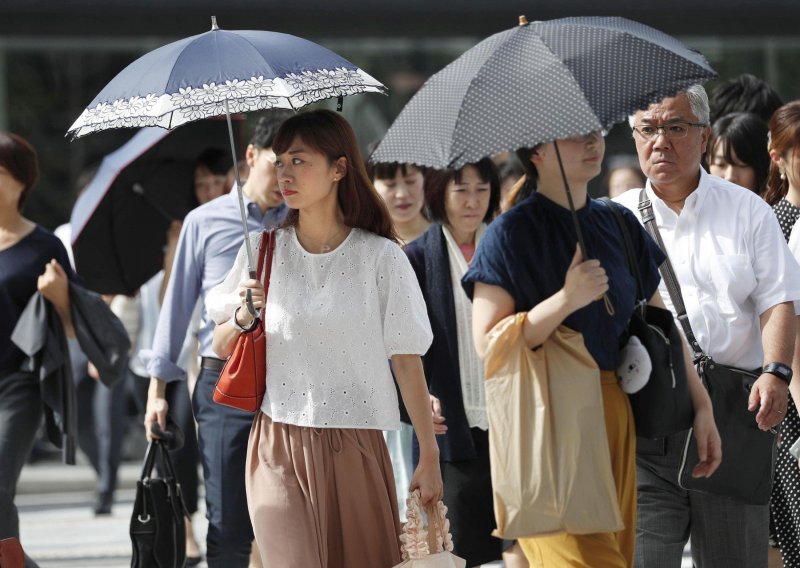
(243, 380)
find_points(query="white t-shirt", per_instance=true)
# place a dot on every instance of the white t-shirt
(332, 321)
(732, 263)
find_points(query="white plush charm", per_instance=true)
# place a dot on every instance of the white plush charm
(636, 366)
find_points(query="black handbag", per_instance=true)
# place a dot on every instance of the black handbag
(663, 406)
(158, 520)
(748, 459)
(749, 454)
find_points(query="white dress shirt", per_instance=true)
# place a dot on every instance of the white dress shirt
(732, 263)
(332, 320)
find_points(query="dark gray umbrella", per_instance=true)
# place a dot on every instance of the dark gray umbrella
(539, 82)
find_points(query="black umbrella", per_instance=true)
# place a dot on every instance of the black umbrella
(536, 83)
(120, 221)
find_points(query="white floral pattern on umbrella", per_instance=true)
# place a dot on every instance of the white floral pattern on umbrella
(170, 110)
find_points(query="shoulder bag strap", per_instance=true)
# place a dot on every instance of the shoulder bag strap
(668, 274)
(630, 254)
(266, 249)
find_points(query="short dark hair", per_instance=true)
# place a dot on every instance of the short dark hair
(216, 160)
(436, 182)
(387, 170)
(743, 134)
(20, 159)
(267, 127)
(745, 93)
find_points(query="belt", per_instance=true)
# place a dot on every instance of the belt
(211, 363)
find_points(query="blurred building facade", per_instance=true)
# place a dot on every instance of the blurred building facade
(55, 56)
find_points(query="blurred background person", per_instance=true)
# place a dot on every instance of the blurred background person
(623, 173)
(737, 150)
(209, 184)
(102, 416)
(244, 170)
(211, 174)
(461, 203)
(509, 173)
(745, 93)
(783, 193)
(402, 188)
(31, 259)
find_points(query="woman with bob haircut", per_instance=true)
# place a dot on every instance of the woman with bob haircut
(737, 151)
(461, 203)
(783, 193)
(342, 300)
(31, 259)
(402, 188)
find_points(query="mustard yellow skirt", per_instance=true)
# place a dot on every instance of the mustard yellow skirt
(602, 550)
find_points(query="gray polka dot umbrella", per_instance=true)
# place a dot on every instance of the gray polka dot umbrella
(539, 82)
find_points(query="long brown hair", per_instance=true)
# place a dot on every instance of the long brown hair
(330, 134)
(784, 132)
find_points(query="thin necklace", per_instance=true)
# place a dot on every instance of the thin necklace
(326, 247)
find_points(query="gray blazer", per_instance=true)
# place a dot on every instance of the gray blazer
(41, 337)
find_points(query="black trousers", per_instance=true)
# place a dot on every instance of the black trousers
(20, 416)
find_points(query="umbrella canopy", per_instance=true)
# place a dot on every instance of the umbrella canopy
(193, 78)
(120, 220)
(539, 82)
(217, 73)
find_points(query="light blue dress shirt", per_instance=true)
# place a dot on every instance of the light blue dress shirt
(210, 238)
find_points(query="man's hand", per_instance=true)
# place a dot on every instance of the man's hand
(709, 445)
(770, 395)
(157, 407)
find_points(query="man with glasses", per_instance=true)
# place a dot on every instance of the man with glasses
(738, 282)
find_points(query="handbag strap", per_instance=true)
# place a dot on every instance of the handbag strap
(630, 254)
(266, 250)
(668, 274)
(156, 452)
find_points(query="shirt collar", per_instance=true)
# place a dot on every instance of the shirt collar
(252, 208)
(692, 203)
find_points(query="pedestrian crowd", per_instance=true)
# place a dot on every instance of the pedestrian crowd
(388, 284)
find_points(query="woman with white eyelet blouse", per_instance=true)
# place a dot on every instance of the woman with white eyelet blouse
(342, 299)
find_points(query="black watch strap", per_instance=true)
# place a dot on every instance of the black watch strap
(783, 372)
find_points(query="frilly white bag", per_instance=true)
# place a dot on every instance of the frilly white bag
(427, 546)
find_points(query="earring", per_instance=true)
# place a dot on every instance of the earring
(783, 175)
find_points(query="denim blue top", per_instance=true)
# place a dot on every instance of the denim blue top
(527, 252)
(210, 238)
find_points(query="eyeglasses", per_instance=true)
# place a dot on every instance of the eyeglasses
(671, 130)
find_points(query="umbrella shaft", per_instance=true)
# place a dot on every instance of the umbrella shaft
(577, 224)
(251, 267)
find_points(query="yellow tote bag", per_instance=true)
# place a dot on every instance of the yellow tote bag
(550, 462)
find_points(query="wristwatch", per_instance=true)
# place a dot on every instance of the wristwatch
(783, 372)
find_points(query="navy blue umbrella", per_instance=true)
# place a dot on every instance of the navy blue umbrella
(218, 73)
